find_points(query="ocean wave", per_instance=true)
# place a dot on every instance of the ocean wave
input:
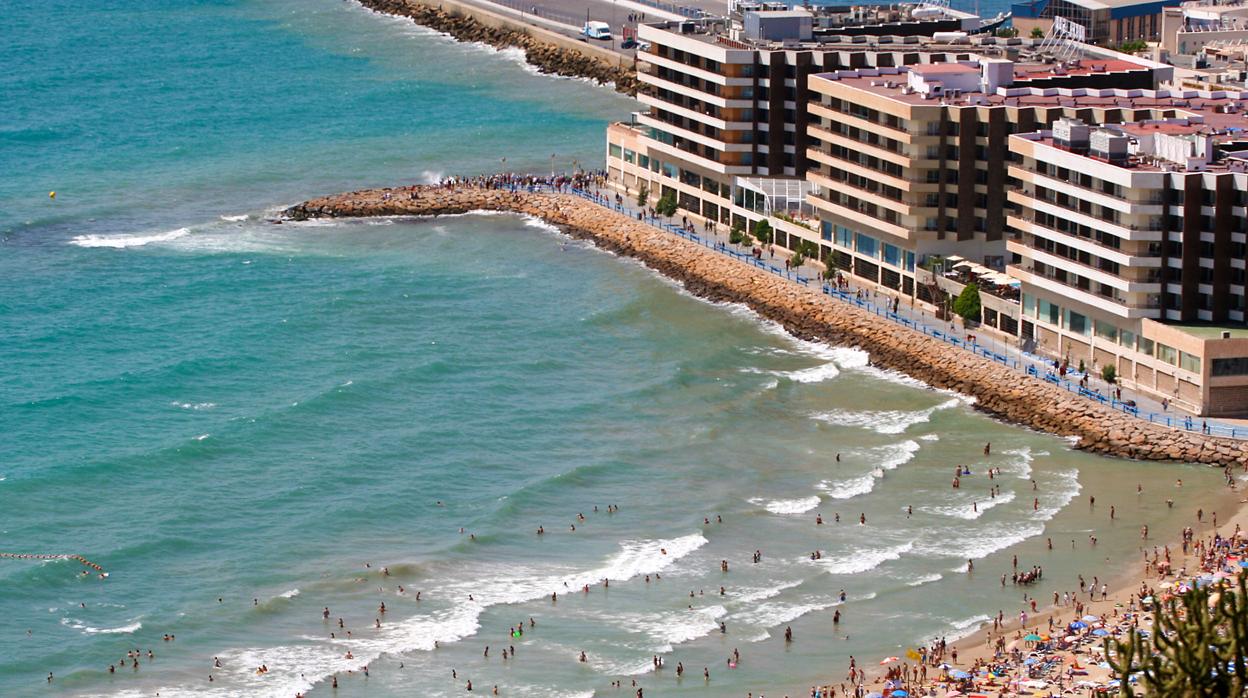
(194, 405)
(834, 360)
(884, 421)
(971, 511)
(925, 579)
(887, 457)
(88, 630)
(1019, 462)
(965, 627)
(853, 487)
(762, 593)
(289, 594)
(973, 545)
(125, 241)
(234, 219)
(860, 561)
(787, 506)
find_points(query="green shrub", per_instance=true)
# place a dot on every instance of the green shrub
(967, 303)
(762, 231)
(643, 194)
(1109, 373)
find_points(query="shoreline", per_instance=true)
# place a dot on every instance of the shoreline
(977, 648)
(807, 315)
(549, 52)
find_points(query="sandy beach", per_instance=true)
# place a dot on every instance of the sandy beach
(1077, 667)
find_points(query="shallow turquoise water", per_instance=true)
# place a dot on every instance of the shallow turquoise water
(245, 422)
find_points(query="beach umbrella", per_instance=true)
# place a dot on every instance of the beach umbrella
(1100, 632)
(960, 674)
(1032, 638)
(1030, 660)
(1091, 619)
(1243, 563)
(875, 695)
(1078, 625)
(887, 660)
(899, 694)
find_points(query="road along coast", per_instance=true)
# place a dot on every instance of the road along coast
(548, 51)
(807, 314)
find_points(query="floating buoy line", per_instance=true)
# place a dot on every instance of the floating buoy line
(37, 556)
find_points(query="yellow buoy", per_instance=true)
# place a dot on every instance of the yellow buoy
(51, 195)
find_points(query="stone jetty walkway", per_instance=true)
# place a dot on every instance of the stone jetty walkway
(808, 314)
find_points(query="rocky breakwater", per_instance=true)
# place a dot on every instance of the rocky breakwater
(811, 315)
(545, 56)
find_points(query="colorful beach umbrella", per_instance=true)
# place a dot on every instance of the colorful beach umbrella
(1100, 632)
(1032, 638)
(1078, 625)
(960, 674)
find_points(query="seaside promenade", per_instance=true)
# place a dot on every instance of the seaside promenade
(798, 302)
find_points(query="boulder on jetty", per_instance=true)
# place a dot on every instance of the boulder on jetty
(810, 315)
(545, 56)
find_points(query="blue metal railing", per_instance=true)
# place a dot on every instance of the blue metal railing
(1027, 367)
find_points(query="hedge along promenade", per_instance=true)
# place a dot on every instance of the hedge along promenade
(807, 314)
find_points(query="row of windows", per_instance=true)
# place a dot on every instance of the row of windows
(868, 246)
(860, 182)
(1077, 323)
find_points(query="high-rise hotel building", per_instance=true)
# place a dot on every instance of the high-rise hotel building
(1130, 244)
(1114, 200)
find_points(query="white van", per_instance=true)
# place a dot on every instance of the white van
(597, 30)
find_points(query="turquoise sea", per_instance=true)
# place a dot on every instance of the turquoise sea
(246, 423)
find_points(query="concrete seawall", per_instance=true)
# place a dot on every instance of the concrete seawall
(549, 51)
(811, 315)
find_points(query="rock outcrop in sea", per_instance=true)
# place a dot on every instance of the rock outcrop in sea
(810, 315)
(544, 55)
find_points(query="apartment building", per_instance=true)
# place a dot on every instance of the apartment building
(1130, 244)
(726, 99)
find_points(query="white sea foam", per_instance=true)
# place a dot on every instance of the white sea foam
(848, 489)
(965, 627)
(1019, 462)
(201, 437)
(297, 668)
(194, 405)
(676, 628)
(884, 421)
(235, 219)
(925, 579)
(289, 594)
(753, 595)
(930, 437)
(787, 506)
(835, 359)
(860, 561)
(970, 511)
(124, 241)
(88, 630)
(888, 457)
(772, 613)
(535, 222)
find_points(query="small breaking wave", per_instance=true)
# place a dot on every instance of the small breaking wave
(235, 219)
(970, 511)
(884, 421)
(124, 241)
(888, 457)
(787, 506)
(194, 405)
(861, 561)
(88, 630)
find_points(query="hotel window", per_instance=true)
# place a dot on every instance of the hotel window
(1029, 305)
(670, 170)
(1230, 367)
(1050, 312)
(892, 255)
(1078, 324)
(1189, 362)
(615, 151)
(629, 156)
(825, 230)
(1167, 354)
(644, 161)
(909, 261)
(844, 237)
(1106, 331)
(1145, 346)
(1126, 339)
(867, 245)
